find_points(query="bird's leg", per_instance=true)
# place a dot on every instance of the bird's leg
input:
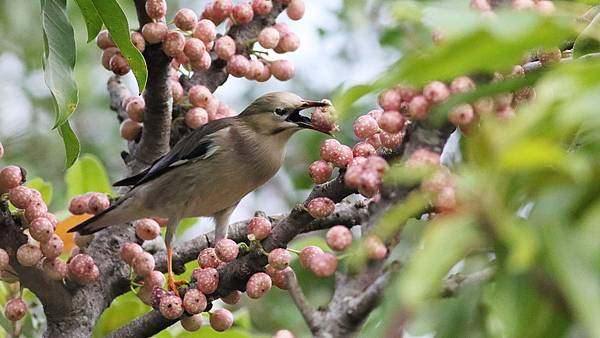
(222, 223)
(171, 282)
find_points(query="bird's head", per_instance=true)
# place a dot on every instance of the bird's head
(278, 112)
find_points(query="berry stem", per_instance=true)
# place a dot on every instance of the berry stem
(297, 252)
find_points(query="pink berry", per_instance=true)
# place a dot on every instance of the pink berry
(436, 92)
(55, 268)
(192, 323)
(104, 40)
(173, 43)
(194, 49)
(146, 229)
(369, 182)
(418, 108)
(221, 320)
(222, 8)
(390, 100)
(143, 264)
(196, 117)
(176, 91)
(445, 200)
(505, 113)
(156, 296)
(107, 54)
(481, 5)
(295, 9)
(363, 149)
(41, 229)
(207, 258)
(171, 307)
(375, 113)
(281, 27)
(119, 65)
(406, 92)
(483, 105)
(185, 19)
(36, 208)
(374, 247)
(1, 151)
(283, 334)
(98, 203)
(343, 156)
(462, 84)
(391, 141)
(154, 278)
(20, 196)
(288, 42)
(238, 65)
(232, 298)
(279, 277)
(324, 118)
(130, 129)
(129, 251)
(207, 280)
(282, 70)
(353, 175)
(462, 115)
(423, 157)
(194, 301)
(323, 264)
(523, 4)
(83, 270)
(262, 7)
(365, 126)
(242, 13)
(4, 259)
(225, 47)
(154, 32)
(279, 258)
(392, 122)
(329, 149)
(545, 6)
(138, 41)
(135, 109)
(255, 70)
(182, 59)
(226, 249)
(339, 238)
(258, 285)
(11, 177)
(203, 63)
(156, 9)
(205, 30)
(28, 255)
(199, 96)
(15, 309)
(53, 248)
(259, 227)
(307, 254)
(320, 207)
(320, 171)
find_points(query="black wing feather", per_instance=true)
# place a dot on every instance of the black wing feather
(193, 145)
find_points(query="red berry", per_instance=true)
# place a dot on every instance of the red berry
(436, 92)
(391, 141)
(207, 258)
(53, 248)
(156, 9)
(363, 149)
(196, 117)
(20, 196)
(369, 182)
(374, 247)
(41, 229)
(238, 65)
(147, 229)
(194, 49)
(288, 42)
(329, 149)
(242, 13)
(418, 108)
(119, 65)
(135, 108)
(15, 309)
(207, 280)
(279, 277)
(203, 63)
(225, 47)
(55, 268)
(226, 249)
(343, 156)
(28, 255)
(176, 91)
(11, 177)
(205, 30)
(282, 70)
(83, 270)
(365, 126)
(194, 301)
(222, 8)
(104, 40)
(462, 84)
(295, 9)
(262, 7)
(320, 171)
(283, 334)
(185, 19)
(98, 202)
(307, 254)
(462, 115)
(143, 264)
(4, 259)
(154, 32)
(221, 320)
(107, 54)
(320, 207)
(375, 141)
(390, 100)
(129, 251)
(259, 227)
(130, 129)
(339, 238)
(171, 307)
(138, 41)
(192, 323)
(232, 298)
(173, 43)
(323, 264)
(392, 122)
(279, 258)
(258, 285)
(199, 96)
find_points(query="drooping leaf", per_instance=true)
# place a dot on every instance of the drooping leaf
(72, 145)
(87, 174)
(45, 188)
(93, 22)
(115, 20)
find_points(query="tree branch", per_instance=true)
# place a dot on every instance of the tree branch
(310, 315)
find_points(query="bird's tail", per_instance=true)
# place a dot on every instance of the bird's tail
(115, 214)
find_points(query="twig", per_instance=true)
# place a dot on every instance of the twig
(310, 315)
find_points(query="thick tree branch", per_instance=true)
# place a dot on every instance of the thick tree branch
(310, 315)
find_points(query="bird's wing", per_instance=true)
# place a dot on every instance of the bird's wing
(199, 144)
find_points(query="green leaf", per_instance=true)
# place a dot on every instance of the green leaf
(87, 174)
(93, 22)
(116, 22)
(532, 154)
(72, 145)
(343, 100)
(45, 188)
(59, 58)
(185, 224)
(589, 40)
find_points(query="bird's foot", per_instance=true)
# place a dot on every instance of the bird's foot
(174, 285)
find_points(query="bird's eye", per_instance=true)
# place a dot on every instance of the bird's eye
(280, 111)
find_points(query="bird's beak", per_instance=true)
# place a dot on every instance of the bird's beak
(304, 121)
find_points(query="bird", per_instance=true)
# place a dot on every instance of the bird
(210, 170)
